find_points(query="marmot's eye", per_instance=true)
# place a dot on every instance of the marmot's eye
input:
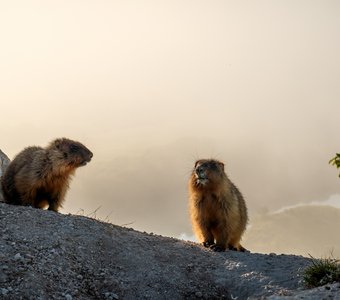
(74, 148)
(199, 169)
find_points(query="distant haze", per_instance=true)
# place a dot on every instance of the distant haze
(305, 230)
(151, 86)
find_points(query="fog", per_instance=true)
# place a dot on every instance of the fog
(151, 86)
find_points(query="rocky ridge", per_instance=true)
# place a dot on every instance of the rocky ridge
(47, 255)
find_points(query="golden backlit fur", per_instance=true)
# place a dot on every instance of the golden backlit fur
(217, 208)
(39, 177)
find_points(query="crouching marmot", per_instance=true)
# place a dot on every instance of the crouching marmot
(39, 177)
(217, 208)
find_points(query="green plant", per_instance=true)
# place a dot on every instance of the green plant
(335, 161)
(321, 272)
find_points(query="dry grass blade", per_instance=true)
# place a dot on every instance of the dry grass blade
(321, 272)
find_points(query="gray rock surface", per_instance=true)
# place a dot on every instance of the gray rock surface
(329, 291)
(47, 255)
(4, 162)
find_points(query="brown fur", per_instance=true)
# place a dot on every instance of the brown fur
(217, 208)
(39, 177)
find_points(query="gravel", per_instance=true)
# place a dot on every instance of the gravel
(47, 255)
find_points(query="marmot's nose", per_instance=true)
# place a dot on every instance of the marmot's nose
(90, 155)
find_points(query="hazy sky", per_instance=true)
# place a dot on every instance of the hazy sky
(150, 86)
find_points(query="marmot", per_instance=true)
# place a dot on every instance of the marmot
(217, 208)
(39, 176)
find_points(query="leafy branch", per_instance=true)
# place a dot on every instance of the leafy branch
(335, 161)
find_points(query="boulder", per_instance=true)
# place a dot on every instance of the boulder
(4, 162)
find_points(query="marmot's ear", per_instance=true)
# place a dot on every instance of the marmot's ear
(196, 163)
(61, 144)
(57, 143)
(221, 164)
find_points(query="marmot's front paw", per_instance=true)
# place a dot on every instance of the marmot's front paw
(217, 248)
(208, 244)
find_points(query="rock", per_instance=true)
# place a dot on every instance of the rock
(111, 296)
(4, 162)
(118, 263)
(17, 256)
(198, 295)
(4, 291)
(68, 297)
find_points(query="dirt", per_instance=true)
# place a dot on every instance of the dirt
(47, 255)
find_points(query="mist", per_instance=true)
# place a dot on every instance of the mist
(151, 86)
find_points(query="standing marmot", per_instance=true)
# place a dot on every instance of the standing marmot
(217, 208)
(40, 176)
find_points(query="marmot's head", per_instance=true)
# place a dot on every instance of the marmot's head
(208, 172)
(72, 153)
